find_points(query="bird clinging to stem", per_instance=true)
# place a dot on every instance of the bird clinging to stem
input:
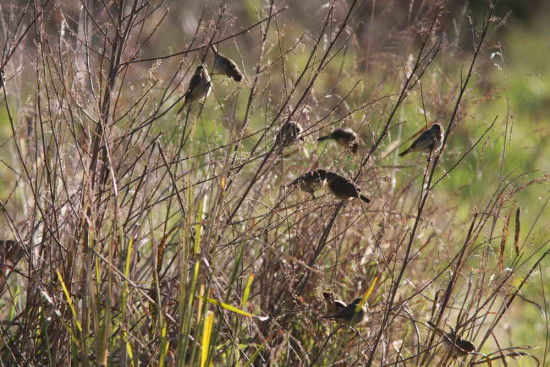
(344, 188)
(224, 65)
(199, 87)
(290, 133)
(310, 181)
(345, 137)
(453, 343)
(429, 141)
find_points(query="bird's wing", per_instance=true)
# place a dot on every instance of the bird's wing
(349, 188)
(425, 140)
(282, 136)
(342, 134)
(340, 305)
(194, 83)
(348, 311)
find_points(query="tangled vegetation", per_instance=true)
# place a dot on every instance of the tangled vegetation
(149, 223)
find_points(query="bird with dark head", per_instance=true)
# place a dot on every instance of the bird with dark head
(454, 344)
(344, 188)
(345, 137)
(224, 65)
(429, 141)
(350, 315)
(289, 134)
(199, 87)
(310, 181)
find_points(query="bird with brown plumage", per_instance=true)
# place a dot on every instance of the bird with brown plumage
(430, 141)
(345, 137)
(199, 87)
(310, 181)
(290, 133)
(453, 343)
(343, 188)
(224, 65)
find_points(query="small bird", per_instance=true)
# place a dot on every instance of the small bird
(310, 181)
(429, 141)
(289, 134)
(344, 137)
(199, 86)
(10, 251)
(343, 188)
(334, 306)
(350, 315)
(224, 65)
(454, 343)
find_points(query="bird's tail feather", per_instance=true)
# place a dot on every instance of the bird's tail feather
(364, 198)
(183, 105)
(404, 153)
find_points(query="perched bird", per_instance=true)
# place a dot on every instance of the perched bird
(343, 188)
(289, 134)
(334, 306)
(310, 181)
(10, 251)
(345, 137)
(350, 315)
(429, 141)
(1, 78)
(454, 343)
(224, 65)
(199, 86)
